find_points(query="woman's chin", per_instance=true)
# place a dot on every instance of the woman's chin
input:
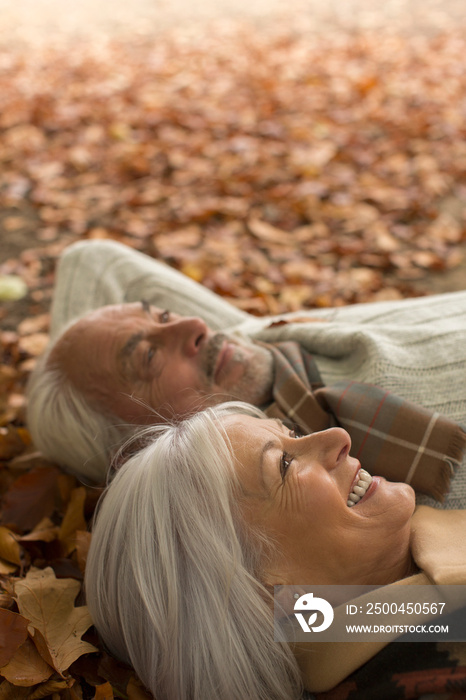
(384, 496)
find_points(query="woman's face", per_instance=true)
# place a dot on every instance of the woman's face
(296, 489)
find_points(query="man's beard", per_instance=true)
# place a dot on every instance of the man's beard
(255, 384)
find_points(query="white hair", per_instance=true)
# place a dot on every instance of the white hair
(173, 575)
(67, 428)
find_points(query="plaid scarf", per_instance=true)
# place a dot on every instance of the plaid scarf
(391, 437)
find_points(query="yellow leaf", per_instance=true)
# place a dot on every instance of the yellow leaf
(48, 603)
(9, 547)
(12, 288)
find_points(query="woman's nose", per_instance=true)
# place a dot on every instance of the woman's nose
(330, 447)
(186, 334)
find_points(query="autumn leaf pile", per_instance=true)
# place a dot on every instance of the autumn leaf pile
(281, 170)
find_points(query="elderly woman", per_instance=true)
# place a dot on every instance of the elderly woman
(196, 529)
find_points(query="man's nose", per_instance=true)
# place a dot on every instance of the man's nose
(330, 447)
(186, 334)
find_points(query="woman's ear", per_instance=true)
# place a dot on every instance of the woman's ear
(284, 598)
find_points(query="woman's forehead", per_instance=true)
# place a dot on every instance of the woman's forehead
(238, 423)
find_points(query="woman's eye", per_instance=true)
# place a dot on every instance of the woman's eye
(294, 434)
(285, 462)
(164, 317)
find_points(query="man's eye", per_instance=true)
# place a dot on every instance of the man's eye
(150, 354)
(295, 433)
(285, 462)
(164, 316)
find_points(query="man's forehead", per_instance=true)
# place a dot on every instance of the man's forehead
(129, 310)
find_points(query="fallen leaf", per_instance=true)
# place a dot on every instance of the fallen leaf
(34, 344)
(8, 691)
(83, 542)
(13, 633)
(12, 288)
(136, 690)
(48, 603)
(11, 443)
(27, 667)
(9, 546)
(268, 233)
(31, 498)
(104, 692)
(45, 531)
(73, 520)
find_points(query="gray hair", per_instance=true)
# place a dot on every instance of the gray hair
(173, 574)
(67, 428)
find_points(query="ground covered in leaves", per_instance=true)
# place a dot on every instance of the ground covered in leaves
(283, 171)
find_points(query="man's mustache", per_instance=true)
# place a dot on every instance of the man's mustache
(210, 354)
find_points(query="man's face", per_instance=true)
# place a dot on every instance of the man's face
(130, 357)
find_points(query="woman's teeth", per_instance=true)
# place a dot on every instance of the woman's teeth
(360, 488)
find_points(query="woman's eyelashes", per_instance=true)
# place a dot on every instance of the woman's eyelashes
(285, 462)
(286, 458)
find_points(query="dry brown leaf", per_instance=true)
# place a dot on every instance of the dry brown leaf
(267, 233)
(73, 520)
(48, 603)
(136, 690)
(83, 542)
(13, 633)
(31, 498)
(6, 568)
(34, 324)
(9, 546)
(11, 443)
(45, 531)
(34, 344)
(104, 692)
(50, 688)
(8, 691)
(27, 667)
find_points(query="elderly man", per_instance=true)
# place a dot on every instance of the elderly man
(150, 345)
